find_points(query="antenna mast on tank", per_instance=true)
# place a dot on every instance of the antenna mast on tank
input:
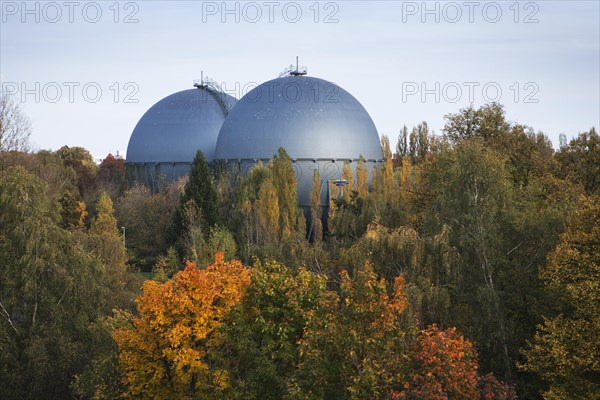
(293, 70)
(199, 83)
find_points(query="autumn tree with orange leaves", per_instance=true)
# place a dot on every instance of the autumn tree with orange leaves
(445, 367)
(221, 333)
(167, 351)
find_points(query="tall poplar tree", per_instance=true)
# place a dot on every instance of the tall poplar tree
(349, 177)
(268, 211)
(104, 241)
(284, 179)
(315, 208)
(362, 177)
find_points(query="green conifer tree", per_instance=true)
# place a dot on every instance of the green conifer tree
(201, 191)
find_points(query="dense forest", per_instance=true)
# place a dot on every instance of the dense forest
(468, 268)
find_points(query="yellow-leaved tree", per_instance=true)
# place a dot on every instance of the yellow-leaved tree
(167, 351)
(362, 178)
(565, 351)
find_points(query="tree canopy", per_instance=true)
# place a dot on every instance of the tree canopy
(463, 266)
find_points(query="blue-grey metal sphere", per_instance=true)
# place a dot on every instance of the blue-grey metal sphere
(311, 118)
(319, 124)
(173, 129)
(167, 137)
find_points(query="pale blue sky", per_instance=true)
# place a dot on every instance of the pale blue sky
(377, 51)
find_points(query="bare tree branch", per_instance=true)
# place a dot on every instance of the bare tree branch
(15, 128)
